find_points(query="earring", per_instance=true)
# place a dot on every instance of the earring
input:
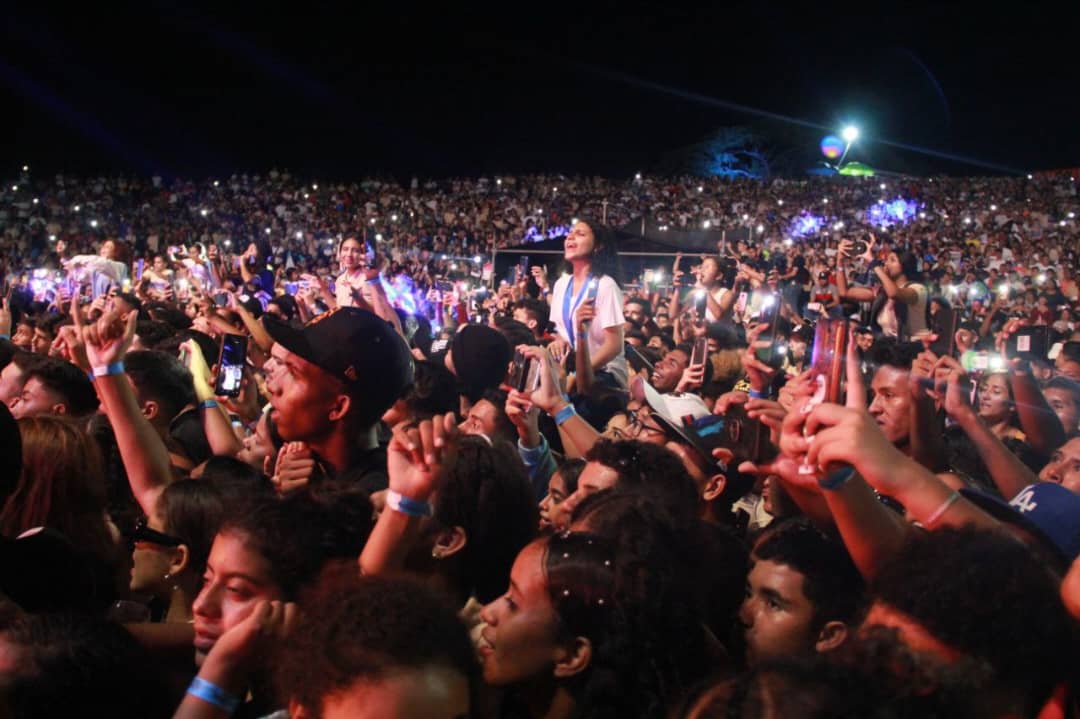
(436, 553)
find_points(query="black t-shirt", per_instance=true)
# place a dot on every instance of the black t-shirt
(186, 430)
(367, 471)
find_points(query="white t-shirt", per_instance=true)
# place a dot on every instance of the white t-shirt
(916, 314)
(609, 304)
(344, 286)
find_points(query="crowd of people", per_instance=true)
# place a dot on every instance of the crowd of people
(302, 449)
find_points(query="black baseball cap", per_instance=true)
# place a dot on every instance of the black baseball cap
(354, 345)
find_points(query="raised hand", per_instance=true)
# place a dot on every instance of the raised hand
(108, 338)
(418, 455)
(548, 396)
(760, 374)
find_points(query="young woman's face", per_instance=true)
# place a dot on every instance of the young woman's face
(709, 270)
(236, 579)
(579, 244)
(550, 514)
(151, 562)
(520, 640)
(892, 265)
(108, 250)
(994, 403)
(258, 446)
(351, 254)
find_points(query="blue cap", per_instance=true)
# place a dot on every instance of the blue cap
(1046, 509)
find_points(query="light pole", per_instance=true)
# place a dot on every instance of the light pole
(850, 134)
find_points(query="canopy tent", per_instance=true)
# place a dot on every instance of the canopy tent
(640, 243)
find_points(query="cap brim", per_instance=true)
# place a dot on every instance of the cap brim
(289, 337)
(645, 392)
(1002, 511)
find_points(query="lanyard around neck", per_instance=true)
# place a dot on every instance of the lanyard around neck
(570, 310)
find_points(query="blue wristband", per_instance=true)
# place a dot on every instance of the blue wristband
(564, 414)
(106, 370)
(208, 404)
(837, 479)
(5, 337)
(213, 694)
(90, 375)
(754, 394)
(407, 505)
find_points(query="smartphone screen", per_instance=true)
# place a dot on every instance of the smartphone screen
(773, 355)
(944, 324)
(1029, 343)
(700, 352)
(231, 365)
(827, 363)
(701, 304)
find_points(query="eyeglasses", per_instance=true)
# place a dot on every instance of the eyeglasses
(636, 426)
(143, 533)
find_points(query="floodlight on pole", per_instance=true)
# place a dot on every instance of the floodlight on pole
(849, 134)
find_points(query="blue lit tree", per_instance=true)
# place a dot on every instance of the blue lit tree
(726, 152)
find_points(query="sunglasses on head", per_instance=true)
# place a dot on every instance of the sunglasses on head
(143, 533)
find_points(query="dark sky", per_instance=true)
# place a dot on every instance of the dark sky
(526, 86)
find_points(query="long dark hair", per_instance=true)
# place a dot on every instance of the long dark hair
(605, 258)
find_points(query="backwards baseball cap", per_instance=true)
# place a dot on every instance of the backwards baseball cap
(356, 346)
(1045, 509)
(673, 412)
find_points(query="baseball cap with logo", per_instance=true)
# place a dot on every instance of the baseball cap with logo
(1045, 509)
(357, 347)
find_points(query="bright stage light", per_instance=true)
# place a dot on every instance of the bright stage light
(850, 134)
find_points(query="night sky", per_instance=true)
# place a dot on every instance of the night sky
(465, 90)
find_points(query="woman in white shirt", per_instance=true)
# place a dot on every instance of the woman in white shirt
(590, 250)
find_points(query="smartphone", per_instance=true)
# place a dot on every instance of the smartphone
(827, 362)
(292, 287)
(140, 265)
(701, 304)
(593, 288)
(525, 373)
(221, 299)
(444, 286)
(523, 264)
(734, 430)
(944, 324)
(231, 362)
(700, 352)
(1029, 343)
(774, 354)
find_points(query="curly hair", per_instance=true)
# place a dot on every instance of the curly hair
(362, 629)
(488, 495)
(830, 580)
(626, 602)
(643, 465)
(988, 596)
(297, 535)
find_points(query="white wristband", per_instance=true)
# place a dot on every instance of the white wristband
(408, 506)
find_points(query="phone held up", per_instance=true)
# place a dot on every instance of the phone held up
(231, 362)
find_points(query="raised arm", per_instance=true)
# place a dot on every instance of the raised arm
(417, 458)
(1039, 422)
(215, 421)
(145, 457)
